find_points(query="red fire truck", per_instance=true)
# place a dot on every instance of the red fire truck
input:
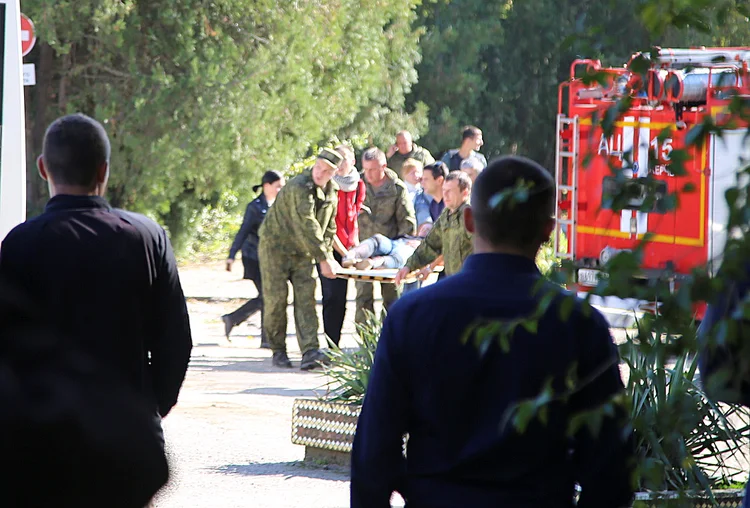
(674, 89)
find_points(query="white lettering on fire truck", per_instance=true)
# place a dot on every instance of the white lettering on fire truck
(609, 147)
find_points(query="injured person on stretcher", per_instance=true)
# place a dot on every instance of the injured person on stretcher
(381, 252)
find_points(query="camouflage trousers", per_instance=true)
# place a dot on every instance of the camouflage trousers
(366, 300)
(275, 270)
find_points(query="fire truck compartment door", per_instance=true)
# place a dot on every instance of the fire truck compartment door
(727, 156)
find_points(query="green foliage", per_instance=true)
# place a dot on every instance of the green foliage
(685, 441)
(212, 231)
(497, 64)
(199, 98)
(349, 371)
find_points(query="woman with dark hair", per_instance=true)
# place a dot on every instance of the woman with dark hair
(247, 240)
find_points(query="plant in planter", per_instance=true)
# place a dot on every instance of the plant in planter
(686, 443)
(326, 426)
(349, 371)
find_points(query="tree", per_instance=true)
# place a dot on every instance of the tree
(200, 97)
(497, 64)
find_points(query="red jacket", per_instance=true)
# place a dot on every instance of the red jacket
(350, 203)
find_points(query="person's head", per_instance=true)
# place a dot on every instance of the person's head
(471, 137)
(404, 142)
(374, 165)
(472, 167)
(456, 189)
(325, 166)
(433, 178)
(411, 171)
(271, 183)
(348, 161)
(512, 207)
(75, 156)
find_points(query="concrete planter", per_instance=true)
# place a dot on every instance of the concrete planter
(326, 430)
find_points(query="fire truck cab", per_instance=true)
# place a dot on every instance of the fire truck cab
(682, 87)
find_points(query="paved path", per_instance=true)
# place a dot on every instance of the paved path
(229, 436)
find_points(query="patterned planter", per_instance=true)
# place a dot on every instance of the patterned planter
(325, 429)
(724, 499)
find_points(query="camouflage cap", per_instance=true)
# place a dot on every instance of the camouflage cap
(331, 157)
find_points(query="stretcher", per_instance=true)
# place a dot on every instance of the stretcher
(385, 275)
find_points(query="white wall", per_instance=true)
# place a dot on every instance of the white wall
(12, 137)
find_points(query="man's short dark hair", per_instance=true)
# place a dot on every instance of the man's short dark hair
(75, 147)
(512, 201)
(464, 182)
(470, 132)
(438, 169)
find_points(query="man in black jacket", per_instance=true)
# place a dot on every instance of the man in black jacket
(105, 277)
(453, 401)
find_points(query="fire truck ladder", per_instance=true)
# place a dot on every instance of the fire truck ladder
(566, 185)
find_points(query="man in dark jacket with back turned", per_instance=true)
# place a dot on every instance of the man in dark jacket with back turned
(451, 398)
(103, 276)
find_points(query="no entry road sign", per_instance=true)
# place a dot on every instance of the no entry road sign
(28, 35)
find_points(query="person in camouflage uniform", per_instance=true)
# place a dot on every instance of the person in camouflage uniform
(405, 148)
(448, 235)
(387, 211)
(297, 233)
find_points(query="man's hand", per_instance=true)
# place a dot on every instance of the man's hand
(424, 272)
(401, 275)
(329, 268)
(230, 262)
(391, 150)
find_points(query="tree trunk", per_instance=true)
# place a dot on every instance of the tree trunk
(37, 125)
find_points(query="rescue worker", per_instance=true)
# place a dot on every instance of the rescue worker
(298, 233)
(448, 236)
(387, 211)
(405, 148)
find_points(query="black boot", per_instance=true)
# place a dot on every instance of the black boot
(228, 325)
(280, 359)
(313, 359)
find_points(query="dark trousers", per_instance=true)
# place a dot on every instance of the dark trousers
(252, 272)
(334, 303)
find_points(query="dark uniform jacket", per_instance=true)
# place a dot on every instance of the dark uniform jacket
(247, 236)
(451, 399)
(108, 278)
(387, 210)
(302, 220)
(453, 159)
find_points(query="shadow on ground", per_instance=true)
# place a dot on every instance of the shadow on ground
(288, 470)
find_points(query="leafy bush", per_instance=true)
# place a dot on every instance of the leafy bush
(349, 370)
(685, 441)
(212, 230)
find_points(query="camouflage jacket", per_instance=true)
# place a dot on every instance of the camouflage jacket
(448, 237)
(302, 220)
(387, 210)
(419, 153)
